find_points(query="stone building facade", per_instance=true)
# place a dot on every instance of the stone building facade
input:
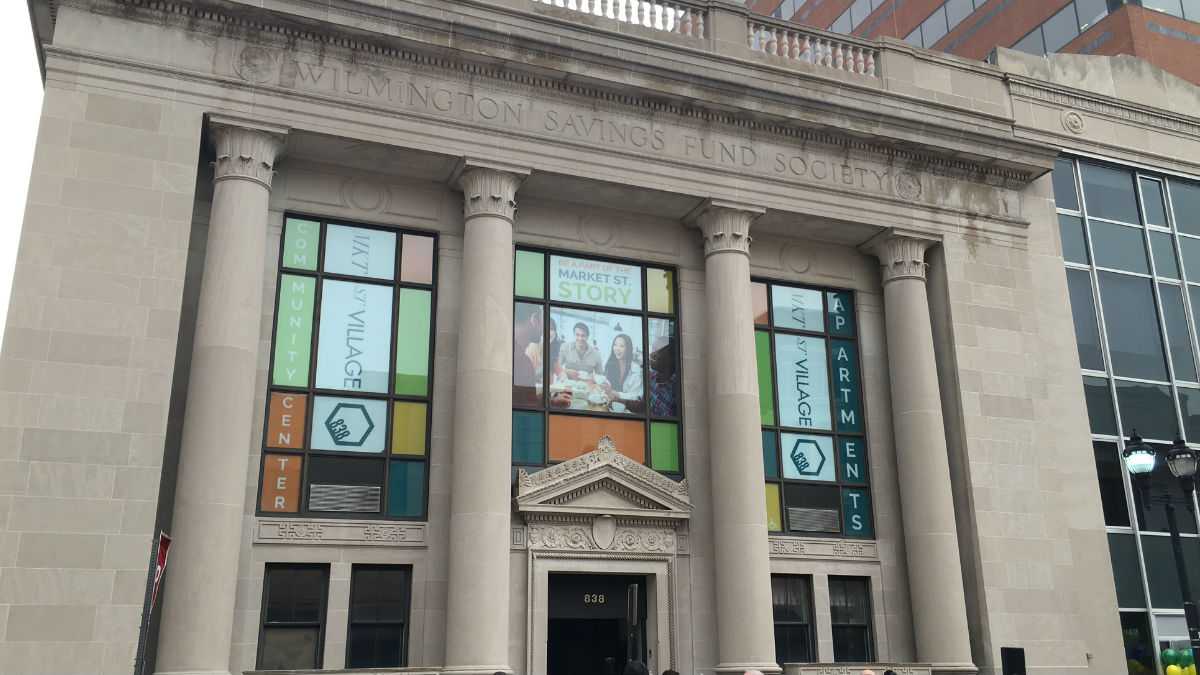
(792, 378)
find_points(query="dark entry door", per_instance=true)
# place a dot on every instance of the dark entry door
(597, 623)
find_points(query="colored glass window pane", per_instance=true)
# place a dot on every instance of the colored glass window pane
(300, 240)
(529, 438)
(841, 313)
(281, 483)
(416, 259)
(412, 342)
(766, 397)
(770, 450)
(661, 366)
(293, 330)
(354, 341)
(409, 428)
(664, 446)
(286, 416)
(660, 285)
(797, 308)
(575, 435)
(802, 382)
(853, 457)
(349, 424)
(360, 252)
(808, 457)
(406, 489)
(530, 278)
(595, 282)
(856, 507)
(774, 510)
(760, 304)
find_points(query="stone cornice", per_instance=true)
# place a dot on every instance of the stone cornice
(1103, 105)
(220, 21)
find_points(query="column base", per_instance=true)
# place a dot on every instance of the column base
(766, 668)
(476, 670)
(951, 668)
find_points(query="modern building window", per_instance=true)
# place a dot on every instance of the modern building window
(293, 617)
(377, 636)
(1064, 26)
(850, 614)
(791, 602)
(595, 353)
(348, 404)
(811, 407)
(1140, 266)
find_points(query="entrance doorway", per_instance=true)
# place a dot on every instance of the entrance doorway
(597, 623)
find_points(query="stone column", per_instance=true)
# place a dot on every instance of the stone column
(927, 505)
(745, 627)
(210, 491)
(480, 484)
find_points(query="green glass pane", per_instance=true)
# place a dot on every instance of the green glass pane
(664, 446)
(300, 239)
(293, 330)
(852, 452)
(529, 438)
(770, 449)
(406, 489)
(412, 342)
(530, 279)
(856, 514)
(766, 400)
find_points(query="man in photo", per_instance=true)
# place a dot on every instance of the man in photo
(580, 359)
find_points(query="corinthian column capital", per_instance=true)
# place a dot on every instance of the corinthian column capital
(246, 149)
(901, 254)
(489, 188)
(725, 226)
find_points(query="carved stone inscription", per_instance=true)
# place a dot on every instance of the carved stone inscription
(589, 125)
(834, 549)
(338, 532)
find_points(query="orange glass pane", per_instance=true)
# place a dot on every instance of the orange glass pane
(758, 297)
(281, 483)
(285, 421)
(572, 436)
(416, 259)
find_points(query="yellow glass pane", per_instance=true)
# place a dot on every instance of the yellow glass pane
(659, 290)
(408, 429)
(774, 513)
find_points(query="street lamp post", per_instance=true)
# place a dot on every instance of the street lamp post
(1141, 460)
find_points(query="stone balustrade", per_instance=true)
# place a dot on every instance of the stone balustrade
(679, 18)
(795, 44)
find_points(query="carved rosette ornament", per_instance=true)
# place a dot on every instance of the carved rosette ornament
(726, 229)
(246, 151)
(489, 192)
(900, 256)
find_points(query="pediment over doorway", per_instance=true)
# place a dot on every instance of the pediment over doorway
(602, 482)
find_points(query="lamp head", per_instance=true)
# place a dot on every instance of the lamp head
(1140, 458)
(1182, 460)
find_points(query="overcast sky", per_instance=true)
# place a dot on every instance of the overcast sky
(18, 129)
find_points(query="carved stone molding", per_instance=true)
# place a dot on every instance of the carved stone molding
(245, 149)
(901, 256)
(725, 226)
(646, 481)
(489, 189)
(336, 532)
(579, 536)
(823, 549)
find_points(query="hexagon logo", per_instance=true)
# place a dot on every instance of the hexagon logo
(349, 425)
(807, 457)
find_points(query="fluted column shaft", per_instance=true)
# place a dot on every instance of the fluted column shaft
(480, 484)
(210, 495)
(927, 504)
(745, 630)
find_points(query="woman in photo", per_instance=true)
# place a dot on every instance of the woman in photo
(623, 374)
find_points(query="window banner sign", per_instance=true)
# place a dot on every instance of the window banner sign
(355, 339)
(808, 457)
(856, 505)
(359, 252)
(841, 313)
(595, 282)
(853, 452)
(293, 330)
(300, 241)
(847, 392)
(349, 424)
(797, 308)
(802, 382)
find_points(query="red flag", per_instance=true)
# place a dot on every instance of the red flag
(160, 565)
